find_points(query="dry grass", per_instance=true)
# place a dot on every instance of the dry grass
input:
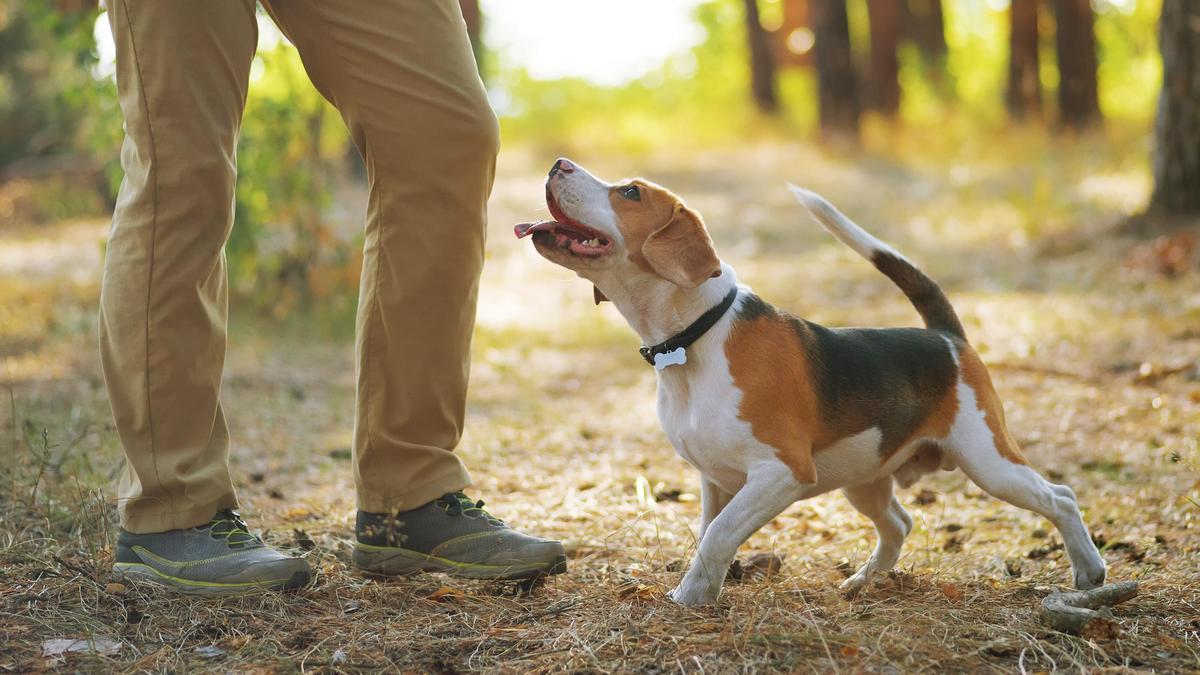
(1096, 363)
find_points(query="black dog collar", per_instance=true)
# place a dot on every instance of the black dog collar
(672, 351)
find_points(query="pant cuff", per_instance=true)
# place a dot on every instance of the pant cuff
(418, 496)
(141, 520)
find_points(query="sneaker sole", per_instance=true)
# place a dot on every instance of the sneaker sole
(391, 561)
(138, 572)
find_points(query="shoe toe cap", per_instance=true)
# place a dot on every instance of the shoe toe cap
(279, 571)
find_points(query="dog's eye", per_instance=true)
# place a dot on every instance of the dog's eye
(632, 192)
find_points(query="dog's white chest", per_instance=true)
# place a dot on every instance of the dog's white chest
(698, 411)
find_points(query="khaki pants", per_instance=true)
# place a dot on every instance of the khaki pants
(402, 75)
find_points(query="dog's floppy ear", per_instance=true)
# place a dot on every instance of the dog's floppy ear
(681, 251)
(598, 295)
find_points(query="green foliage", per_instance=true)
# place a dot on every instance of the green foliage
(1130, 68)
(49, 98)
(292, 148)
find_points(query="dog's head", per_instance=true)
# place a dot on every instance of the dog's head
(633, 230)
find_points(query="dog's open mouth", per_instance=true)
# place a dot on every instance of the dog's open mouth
(580, 240)
(565, 233)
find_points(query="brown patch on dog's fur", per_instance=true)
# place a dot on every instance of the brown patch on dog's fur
(936, 424)
(769, 365)
(637, 220)
(975, 375)
(664, 237)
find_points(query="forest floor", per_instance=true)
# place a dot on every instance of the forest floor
(1092, 336)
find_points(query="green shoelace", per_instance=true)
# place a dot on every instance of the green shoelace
(228, 525)
(459, 504)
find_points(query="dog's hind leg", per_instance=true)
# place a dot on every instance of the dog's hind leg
(770, 488)
(993, 462)
(892, 523)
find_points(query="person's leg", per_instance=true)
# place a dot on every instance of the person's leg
(403, 76)
(182, 70)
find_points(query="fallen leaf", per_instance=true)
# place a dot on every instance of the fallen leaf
(99, 645)
(849, 651)
(952, 592)
(209, 652)
(298, 513)
(635, 591)
(446, 594)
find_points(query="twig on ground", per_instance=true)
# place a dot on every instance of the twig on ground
(1070, 612)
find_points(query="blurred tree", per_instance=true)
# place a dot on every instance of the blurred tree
(762, 61)
(1024, 96)
(1075, 42)
(923, 22)
(46, 85)
(792, 41)
(884, 91)
(1177, 129)
(474, 20)
(837, 83)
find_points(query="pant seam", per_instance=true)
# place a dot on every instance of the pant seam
(153, 237)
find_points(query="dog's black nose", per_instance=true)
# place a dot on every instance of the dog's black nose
(561, 165)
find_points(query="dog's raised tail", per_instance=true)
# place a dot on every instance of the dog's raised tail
(924, 293)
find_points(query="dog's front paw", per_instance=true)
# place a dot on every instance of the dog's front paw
(692, 595)
(855, 584)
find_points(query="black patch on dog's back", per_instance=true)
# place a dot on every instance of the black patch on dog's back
(891, 378)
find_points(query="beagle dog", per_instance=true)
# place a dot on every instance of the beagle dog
(771, 408)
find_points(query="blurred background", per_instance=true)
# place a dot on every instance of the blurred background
(930, 80)
(1039, 158)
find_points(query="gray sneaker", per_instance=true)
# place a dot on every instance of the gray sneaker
(220, 557)
(455, 535)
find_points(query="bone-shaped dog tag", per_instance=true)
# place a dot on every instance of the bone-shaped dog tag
(675, 357)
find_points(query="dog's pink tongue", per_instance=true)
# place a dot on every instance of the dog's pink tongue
(523, 230)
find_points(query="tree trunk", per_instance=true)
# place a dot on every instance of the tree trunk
(1177, 129)
(762, 62)
(792, 42)
(1076, 46)
(837, 83)
(884, 94)
(474, 20)
(924, 24)
(1024, 96)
